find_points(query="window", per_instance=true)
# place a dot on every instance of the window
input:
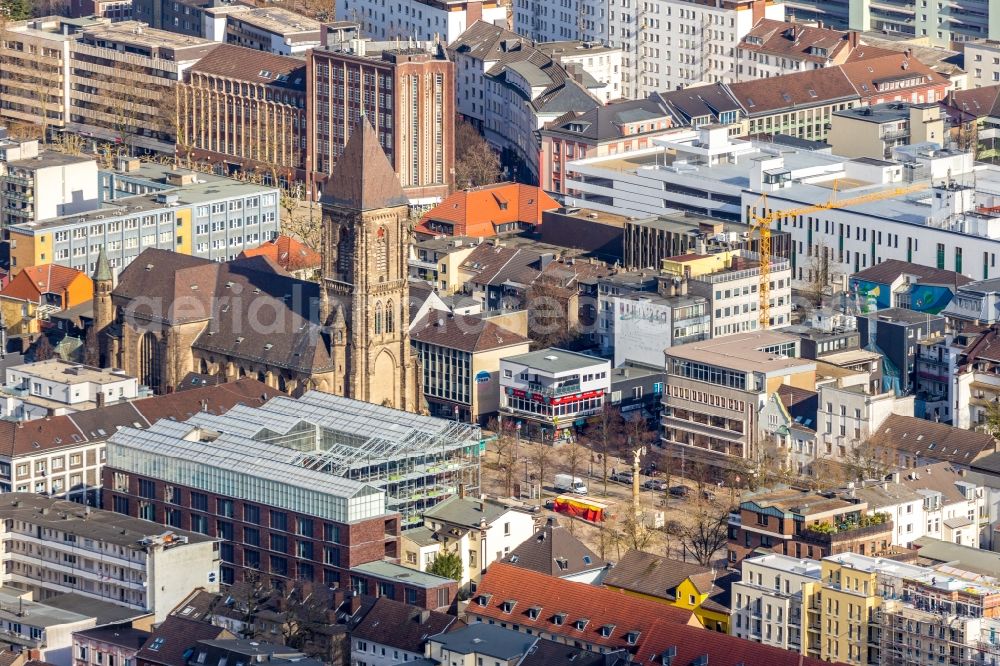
(279, 543)
(304, 527)
(224, 508)
(251, 514)
(279, 565)
(279, 521)
(251, 536)
(147, 489)
(199, 501)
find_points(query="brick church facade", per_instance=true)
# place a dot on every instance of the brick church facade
(173, 314)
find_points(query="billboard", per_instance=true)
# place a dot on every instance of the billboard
(642, 331)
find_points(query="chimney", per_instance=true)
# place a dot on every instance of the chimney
(424, 616)
(355, 604)
(852, 39)
(100, 399)
(682, 287)
(461, 491)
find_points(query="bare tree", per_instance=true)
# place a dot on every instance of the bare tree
(605, 437)
(505, 446)
(540, 457)
(872, 458)
(306, 606)
(42, 350)
(475, 162)
(633, 531)
(91, 348)
(703, 534)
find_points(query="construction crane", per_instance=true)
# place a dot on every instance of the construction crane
(762, 225)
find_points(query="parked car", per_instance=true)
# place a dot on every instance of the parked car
(621, 477)
(709, 495)
(655, 484)
(680, 491)
(650, 470)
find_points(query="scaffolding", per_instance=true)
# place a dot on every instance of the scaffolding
(912, 636)
(417, 460)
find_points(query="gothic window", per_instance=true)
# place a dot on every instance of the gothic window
(390, 318)
(381, 255)
(345, 250)
(150, 361)
(378, 317)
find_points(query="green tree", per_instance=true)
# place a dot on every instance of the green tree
(16, 10)
(447, 565)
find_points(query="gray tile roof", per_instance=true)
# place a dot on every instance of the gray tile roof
(363, 178)
(490, 640)
(466, 511)
(553, 551)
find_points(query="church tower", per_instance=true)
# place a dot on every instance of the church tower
(365, 250)
(104, 311)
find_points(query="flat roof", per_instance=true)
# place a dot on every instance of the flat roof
(96, 524)
(902, 315)
(66, 372)
(401, 574)
(138, 33)
(878, 113)
(16, 606)
(49, 158)
(877, 565)
(788, 564)
(741, 352)
(277, 20)
(556, 360)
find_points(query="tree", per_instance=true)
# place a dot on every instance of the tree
(475, 162)
(702, 535)
(16, 10)
(306, 608)
(447, 565)
(91, 348)
(605, 436)
(871, 458)
(540, 457)
(42, 350)
(548, 320)
(633, 531)
(506, 445)
(991, 420)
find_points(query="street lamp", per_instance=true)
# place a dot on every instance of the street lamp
(455, 408)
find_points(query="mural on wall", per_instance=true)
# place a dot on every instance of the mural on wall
(872, 296)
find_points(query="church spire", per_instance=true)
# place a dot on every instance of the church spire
(363, 179)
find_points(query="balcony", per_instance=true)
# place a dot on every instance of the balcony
(893, 135)
(846, 531)
(426, 265)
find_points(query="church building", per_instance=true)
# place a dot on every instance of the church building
(173, 314)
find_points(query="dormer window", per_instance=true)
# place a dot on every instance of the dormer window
(483, 599)
(632, 637)
(563, 563)
(581, 624)
(508, 606)
(534, 612)
(558, 619)
(607, 630)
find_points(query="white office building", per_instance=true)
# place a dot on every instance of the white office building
(55, 387)
(767, 600)
(420, 20)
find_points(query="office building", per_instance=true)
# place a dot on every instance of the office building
(243, 110)
(643, 324)
(53, 546)
(874, 131)
(899, 284)
(460, 360)
(407, 92)
(719, 383)
(197, 214)
(548, 392)
(895, 333)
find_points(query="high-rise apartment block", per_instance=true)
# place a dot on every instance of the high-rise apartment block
(406, 92)
(422, 20)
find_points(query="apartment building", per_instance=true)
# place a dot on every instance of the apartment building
(775, 48)
(271, 29)
(186, 17)
(48, 388)
(54, 546)
(68, 181)
(982, 62)
(893, 283)
(642, 324)
(729, 280)
(245, 110)
(510, 88)
(849, 412)
(460, 358)
(407, 92)
(805, 525)
(596, 58)
(36, 293)
(601, 131)
(114, 10)
(771, 602)
(419, 19)
(198, 214)
(550, 391)
(714, 388)
(895, 333)
(874, 131)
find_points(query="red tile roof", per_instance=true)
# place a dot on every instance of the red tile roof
(873, 77)
(476, 212)
(34, 281)
(289, 253)
(660, 626)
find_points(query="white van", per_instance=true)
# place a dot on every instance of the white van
(568, 483)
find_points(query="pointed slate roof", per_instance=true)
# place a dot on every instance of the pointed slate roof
(553, 551)
(363, 178)
(103, 270)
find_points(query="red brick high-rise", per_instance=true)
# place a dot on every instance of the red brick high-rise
(407, 93)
